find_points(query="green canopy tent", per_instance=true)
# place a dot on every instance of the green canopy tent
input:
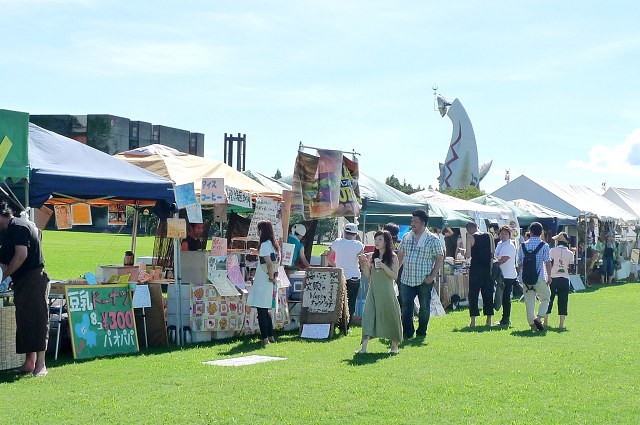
(382, 203)
(14, 145)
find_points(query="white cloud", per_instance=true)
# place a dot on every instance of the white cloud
(620, 159)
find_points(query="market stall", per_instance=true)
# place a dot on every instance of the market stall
(60, 171)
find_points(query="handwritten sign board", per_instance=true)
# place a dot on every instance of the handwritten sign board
(238, 197)
(324, 296)
(101, 320)
(141, 297)
(185, 194)
(320, 291)
(212, 191)
(266, 209)
(218, 246)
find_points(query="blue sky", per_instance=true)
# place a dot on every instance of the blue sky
(551, 87)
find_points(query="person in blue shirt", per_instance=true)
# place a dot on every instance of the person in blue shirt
(297, 233)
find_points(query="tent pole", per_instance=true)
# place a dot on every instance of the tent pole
(32, 214)
(586, 229)
(134, 232)
(177, 277)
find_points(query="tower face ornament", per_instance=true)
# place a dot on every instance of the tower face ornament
(460, 168)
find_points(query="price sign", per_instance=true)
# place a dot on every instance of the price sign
(101, 320)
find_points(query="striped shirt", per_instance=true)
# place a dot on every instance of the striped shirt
(419, 256)
(541, 257)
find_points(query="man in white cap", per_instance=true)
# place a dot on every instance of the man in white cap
(347, 250)
(297, 233)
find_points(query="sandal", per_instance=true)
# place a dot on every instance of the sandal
(360, 351)
(391, 351)
(43, 372)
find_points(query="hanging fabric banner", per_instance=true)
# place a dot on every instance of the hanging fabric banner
(326, 186)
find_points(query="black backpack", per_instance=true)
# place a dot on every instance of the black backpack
(530, 266)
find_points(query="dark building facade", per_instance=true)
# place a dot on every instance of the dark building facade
(112, 134)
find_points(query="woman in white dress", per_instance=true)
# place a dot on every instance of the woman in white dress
(264, 289)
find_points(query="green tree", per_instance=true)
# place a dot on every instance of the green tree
(404, 187)
(467, 193)
(278, 175)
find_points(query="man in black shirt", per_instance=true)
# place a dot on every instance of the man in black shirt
(21, 258)
(480, 248)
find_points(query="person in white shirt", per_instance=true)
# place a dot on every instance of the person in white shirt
(347, 250)
(561, 257)
(506, 256)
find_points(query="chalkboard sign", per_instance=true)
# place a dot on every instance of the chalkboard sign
(324, 297)
(101, 320)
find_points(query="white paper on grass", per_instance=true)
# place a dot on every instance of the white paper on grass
(244, 360)
(316, 330)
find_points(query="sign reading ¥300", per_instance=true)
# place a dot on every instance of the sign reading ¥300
(101, 320)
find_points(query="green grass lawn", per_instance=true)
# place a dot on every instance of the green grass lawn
(68, 255)
(584, 375)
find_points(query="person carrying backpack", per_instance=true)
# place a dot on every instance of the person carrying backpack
(534, 272)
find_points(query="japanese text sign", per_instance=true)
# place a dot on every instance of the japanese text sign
(101, 320)
(212, 191)
(238, 197)
(321, 291)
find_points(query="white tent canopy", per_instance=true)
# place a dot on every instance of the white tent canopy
(629, 199)
(479, 212)
(542, 212)
(570, 199)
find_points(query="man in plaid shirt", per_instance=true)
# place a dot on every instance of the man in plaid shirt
(421, 255)
(541, 287)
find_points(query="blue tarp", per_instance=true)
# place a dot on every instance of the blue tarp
(59, 167)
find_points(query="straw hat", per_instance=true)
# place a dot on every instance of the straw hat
(561, 237)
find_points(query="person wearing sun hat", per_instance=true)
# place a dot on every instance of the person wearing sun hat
(561, 257)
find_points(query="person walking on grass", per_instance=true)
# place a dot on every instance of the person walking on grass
(561, 257)
(421, 256)
(480, 249)
(506, 256)
(534, 271)
(381, 317)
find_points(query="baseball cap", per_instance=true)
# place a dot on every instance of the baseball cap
(351, 228)
(561, 237)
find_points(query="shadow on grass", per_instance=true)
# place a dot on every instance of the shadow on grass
(367, 358)
(529, 333)
(481, 329)
(556, 330)
(417, 341)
